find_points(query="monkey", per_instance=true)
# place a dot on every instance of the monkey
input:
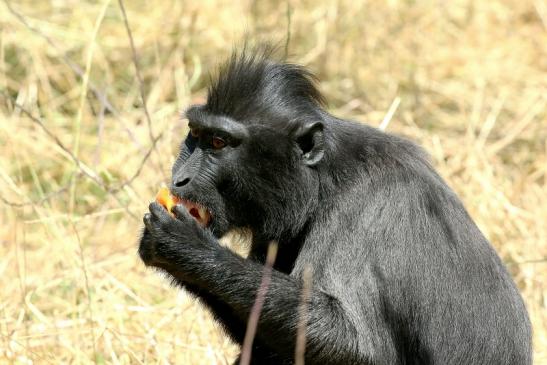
(401, 274)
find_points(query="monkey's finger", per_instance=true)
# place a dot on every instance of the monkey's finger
(180, 212)
(147, 220)
(159, 212)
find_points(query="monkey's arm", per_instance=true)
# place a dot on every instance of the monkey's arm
(149, 252)
(193, 257)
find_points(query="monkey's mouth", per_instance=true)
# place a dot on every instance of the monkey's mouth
(198, 211)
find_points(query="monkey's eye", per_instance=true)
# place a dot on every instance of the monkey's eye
(218, 143)
(194, 132)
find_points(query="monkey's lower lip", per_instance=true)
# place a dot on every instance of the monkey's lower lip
(199, 212)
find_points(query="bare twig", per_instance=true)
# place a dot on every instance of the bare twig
(510, 135)
(536, 261)
(252, 323)
(140, 167)
(22, 276)
(99, 95)
(389, 115)
(85, 170)
(83, 97)
(288, 36)
(300, 348)
(541, 9)
(137, 70)
(100, 132)
(37, 121)
(140, 80)
(87, 289)
(37, 202)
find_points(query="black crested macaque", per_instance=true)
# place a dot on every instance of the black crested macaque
(401, 273)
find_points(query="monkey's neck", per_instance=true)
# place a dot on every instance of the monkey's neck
(287, 250)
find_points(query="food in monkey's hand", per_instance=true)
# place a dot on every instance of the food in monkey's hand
(168, 201)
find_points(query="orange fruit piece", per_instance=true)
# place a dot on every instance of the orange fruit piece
(165, 198)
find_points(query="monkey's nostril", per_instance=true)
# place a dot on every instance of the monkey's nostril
(181, 183)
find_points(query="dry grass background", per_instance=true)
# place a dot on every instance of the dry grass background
(467, 79)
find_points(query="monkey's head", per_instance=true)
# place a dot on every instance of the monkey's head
(252, 156)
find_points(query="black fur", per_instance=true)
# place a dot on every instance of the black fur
(401, 274)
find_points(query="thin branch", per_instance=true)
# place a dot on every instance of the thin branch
(252, 323)
(87, 289)
(77, 161)
(83, 96)
(57, 141)
(99, 95)
(86, 171)
(100, 133)
(533, 261)
(37, 202)
(141, 166)
(541, 10)
(22, 276)
(288, 36)
(389, 115)
(140, 80)
(137, 70)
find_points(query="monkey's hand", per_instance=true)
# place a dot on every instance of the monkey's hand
(174, 243)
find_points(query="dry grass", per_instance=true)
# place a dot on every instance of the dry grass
(467, 80)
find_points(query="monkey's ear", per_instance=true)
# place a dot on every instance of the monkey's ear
(310, 139)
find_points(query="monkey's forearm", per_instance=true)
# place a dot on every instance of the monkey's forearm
(216, 272)
(232, 324)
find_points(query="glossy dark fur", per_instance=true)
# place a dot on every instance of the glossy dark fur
(401, 274)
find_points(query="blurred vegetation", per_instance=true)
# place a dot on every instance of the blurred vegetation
(80, 155)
